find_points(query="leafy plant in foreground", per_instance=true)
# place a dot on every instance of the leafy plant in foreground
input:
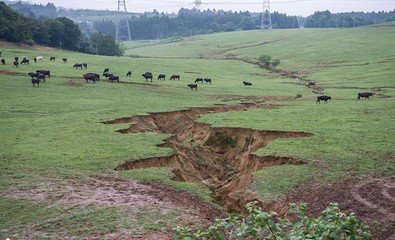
(331, 225)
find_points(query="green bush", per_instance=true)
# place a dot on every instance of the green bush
(276, 62)
(331, 225)
(265, 59)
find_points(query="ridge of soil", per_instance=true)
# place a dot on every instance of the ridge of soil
(219, 157)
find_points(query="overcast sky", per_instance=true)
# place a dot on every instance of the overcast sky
(293, 7)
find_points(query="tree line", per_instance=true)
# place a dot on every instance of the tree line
(58, 32)
(326, 19)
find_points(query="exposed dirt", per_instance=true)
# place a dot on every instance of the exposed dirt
(220, 158)
(9, 73)
(372, 199)
(25, 46)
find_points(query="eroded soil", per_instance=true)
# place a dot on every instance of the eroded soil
(220, 158)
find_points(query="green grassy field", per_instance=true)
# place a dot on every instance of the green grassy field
(54, 133)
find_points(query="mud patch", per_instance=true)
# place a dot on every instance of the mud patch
(10, 73)
(220, 158)
(371, 198)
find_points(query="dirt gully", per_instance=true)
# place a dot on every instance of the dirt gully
(221, 158)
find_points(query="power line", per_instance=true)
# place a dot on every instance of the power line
(266, 22)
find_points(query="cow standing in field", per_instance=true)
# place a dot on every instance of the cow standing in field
(85, 65)
(162, 76)
(323, 98)
(52, 59)
(129, 74)
(45, 72)
(16, 64)
(175, 77)
(207, 80)
(38, 59)
(199, 80)
(77, 65)
(3, 61)
(64, 60)
(38, 76)
(36, 81)
(247, 83)
(107, 75)
(365, 95)
(193, 86)
(114, 78)
(25, 61)
(147, 76)
(92, 77)
(106, 70)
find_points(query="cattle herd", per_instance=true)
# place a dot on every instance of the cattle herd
(41, 75)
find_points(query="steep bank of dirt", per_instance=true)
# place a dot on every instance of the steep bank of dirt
(220, 158)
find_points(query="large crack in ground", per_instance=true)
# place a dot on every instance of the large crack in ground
(219, 157)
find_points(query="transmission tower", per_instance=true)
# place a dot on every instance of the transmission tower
(266, 22)
(198, 4)
(123, 27)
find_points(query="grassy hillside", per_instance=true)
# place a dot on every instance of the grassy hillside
(54, 146)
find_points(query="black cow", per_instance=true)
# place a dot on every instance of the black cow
(207, 80)
(193, 86)
(16, 59)
(106, 70)
(129, 74)
(365, 95)
(85, 65)
(45, 72)
(36, 81)
(39, 76)
(114, 78)
(107, 75)
(77, 65)
(25, 61)
(92, 77)
(64, 60)
(323, 98)
(247, 83)
(52, 59)
(16, 64)
(199, 80)
(175, 77)
(3, 61)
(162, 76)
(35, 60)
(147, 76)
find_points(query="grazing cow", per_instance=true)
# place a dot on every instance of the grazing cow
(35, 60)
(107, 75)
(147, 76)
(129, 74)
(199, 80)
(16, 64)
(92, 77)
(3, 61)
(323, 98)
(64, 60)
(52, 59)
(106, 70)
(39, 76)
(25, 61)
(365, 95)
(45, 72)
(193, 86)
(16, 59)
(207, 80)
(77, 65)
(114, 78)
(247, 83)
(39, 59)
(85, 65)
(162, 76)
(36, 81)
(175, 77)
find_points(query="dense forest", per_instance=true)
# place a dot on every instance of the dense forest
(54, 32)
